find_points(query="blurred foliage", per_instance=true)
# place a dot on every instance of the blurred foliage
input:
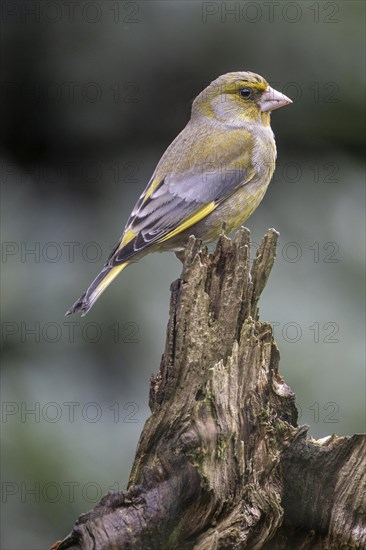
(90, 100)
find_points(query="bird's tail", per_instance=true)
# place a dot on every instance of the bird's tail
(100, 283)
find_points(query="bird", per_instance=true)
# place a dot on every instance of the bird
(214, 174)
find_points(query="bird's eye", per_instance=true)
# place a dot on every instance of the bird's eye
(245, 93)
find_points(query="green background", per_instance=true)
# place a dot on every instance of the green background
(91, 97)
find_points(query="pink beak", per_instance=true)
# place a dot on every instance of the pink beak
(271, 100)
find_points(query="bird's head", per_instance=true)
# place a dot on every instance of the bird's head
(236, 98)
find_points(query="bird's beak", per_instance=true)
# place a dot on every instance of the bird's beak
(271, 100)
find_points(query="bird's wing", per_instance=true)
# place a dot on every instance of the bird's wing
(172, 204)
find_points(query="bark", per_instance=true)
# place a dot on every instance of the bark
(221, 462)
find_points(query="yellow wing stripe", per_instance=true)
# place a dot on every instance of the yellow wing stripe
(130, 234)
(127, 237)
(198, 216)
(151, 189)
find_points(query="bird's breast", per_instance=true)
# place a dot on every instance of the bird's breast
(241, 204)
(264, 153)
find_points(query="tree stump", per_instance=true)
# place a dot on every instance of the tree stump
(221, 462)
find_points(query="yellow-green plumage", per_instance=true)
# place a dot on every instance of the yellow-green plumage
(216, 171)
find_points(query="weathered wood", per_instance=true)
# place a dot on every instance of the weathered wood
(221, 462)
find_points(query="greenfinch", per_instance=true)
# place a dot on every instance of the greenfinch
(214, 174)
